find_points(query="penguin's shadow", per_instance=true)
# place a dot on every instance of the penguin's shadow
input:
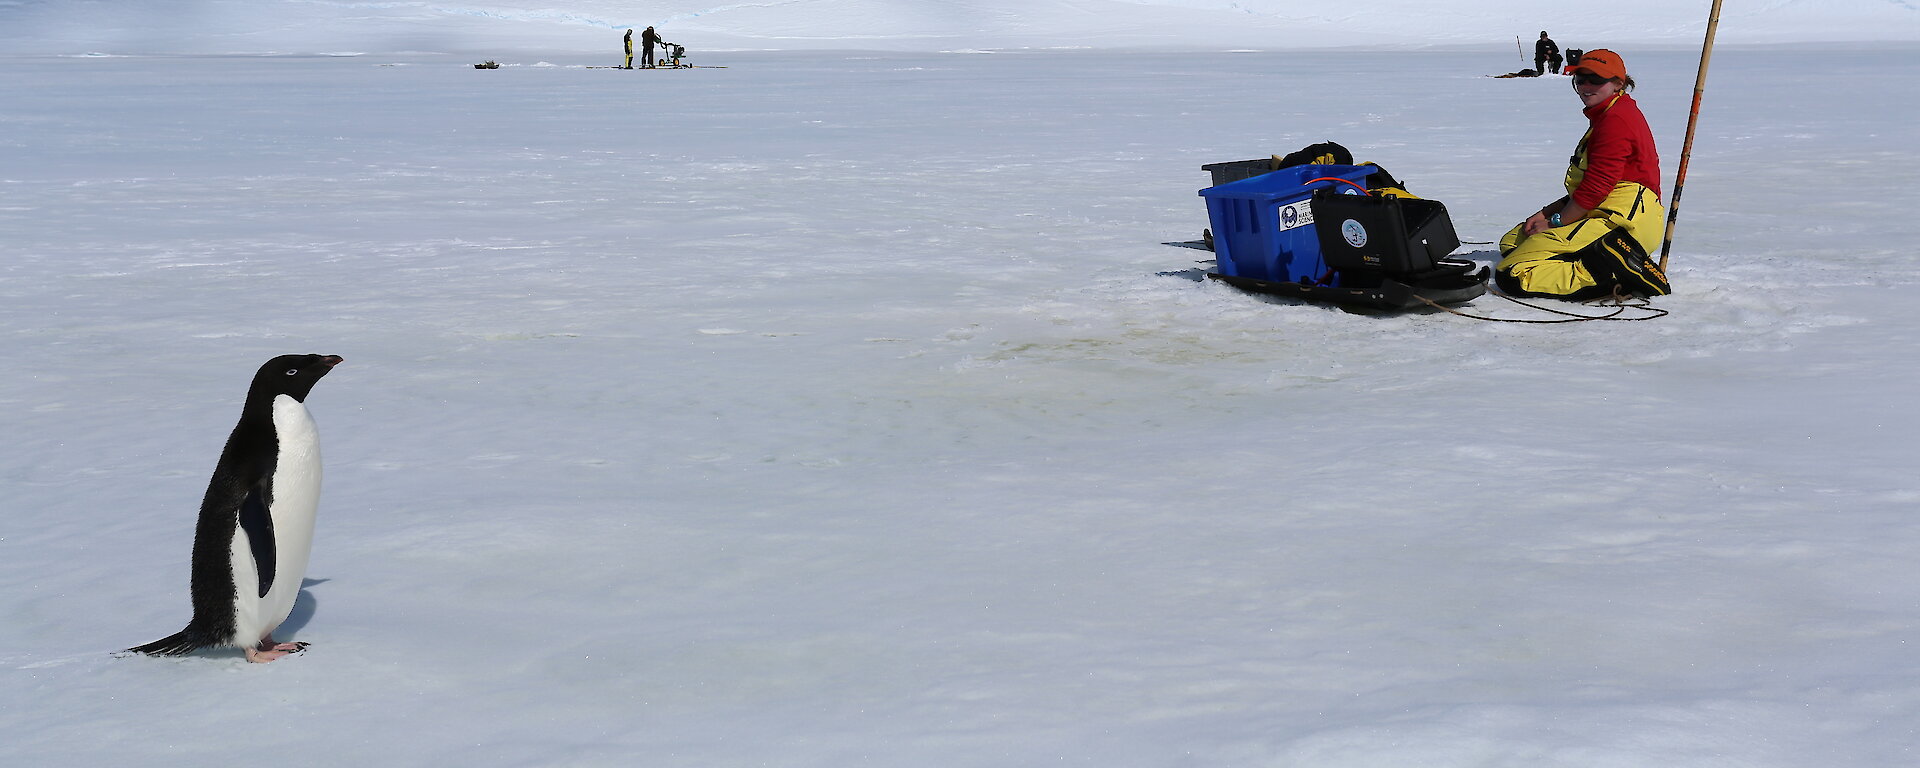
(304, 606)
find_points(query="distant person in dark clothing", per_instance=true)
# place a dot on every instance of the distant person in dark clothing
(629, 49)
(648, 40)
(1546, 53)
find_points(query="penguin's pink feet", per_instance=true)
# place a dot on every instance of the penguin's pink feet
(268, 650)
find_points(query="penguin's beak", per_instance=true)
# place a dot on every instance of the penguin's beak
(332, 360)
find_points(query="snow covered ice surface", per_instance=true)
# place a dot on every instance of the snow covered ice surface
(829, 410)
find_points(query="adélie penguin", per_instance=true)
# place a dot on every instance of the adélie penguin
(256, 522)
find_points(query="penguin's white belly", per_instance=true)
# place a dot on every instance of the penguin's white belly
(296, 498)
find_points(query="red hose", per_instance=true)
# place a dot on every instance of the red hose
(1363, 190)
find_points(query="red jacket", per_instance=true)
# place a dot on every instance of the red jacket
(1619, 147)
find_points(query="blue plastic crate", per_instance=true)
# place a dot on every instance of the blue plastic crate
(1263, 226)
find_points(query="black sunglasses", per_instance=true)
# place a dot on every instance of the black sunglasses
(1587, 78)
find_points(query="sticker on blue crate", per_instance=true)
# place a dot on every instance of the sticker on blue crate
(1298, 214)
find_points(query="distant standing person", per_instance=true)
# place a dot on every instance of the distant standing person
(629, 42)
(648, 40)
(1546, 53)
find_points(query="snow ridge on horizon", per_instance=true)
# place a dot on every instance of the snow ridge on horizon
(306, 26)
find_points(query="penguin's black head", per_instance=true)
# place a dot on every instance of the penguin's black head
(291, 375)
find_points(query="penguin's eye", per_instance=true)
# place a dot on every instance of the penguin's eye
(293, 371)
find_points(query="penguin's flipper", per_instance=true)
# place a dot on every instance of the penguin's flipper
(258, 523)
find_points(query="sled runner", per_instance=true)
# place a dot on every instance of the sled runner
(1451, 283)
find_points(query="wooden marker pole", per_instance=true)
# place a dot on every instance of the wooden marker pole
(1693, 117)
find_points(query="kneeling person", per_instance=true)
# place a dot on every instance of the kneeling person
(1596, 240)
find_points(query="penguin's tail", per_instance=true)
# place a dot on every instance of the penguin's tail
(179, 643)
